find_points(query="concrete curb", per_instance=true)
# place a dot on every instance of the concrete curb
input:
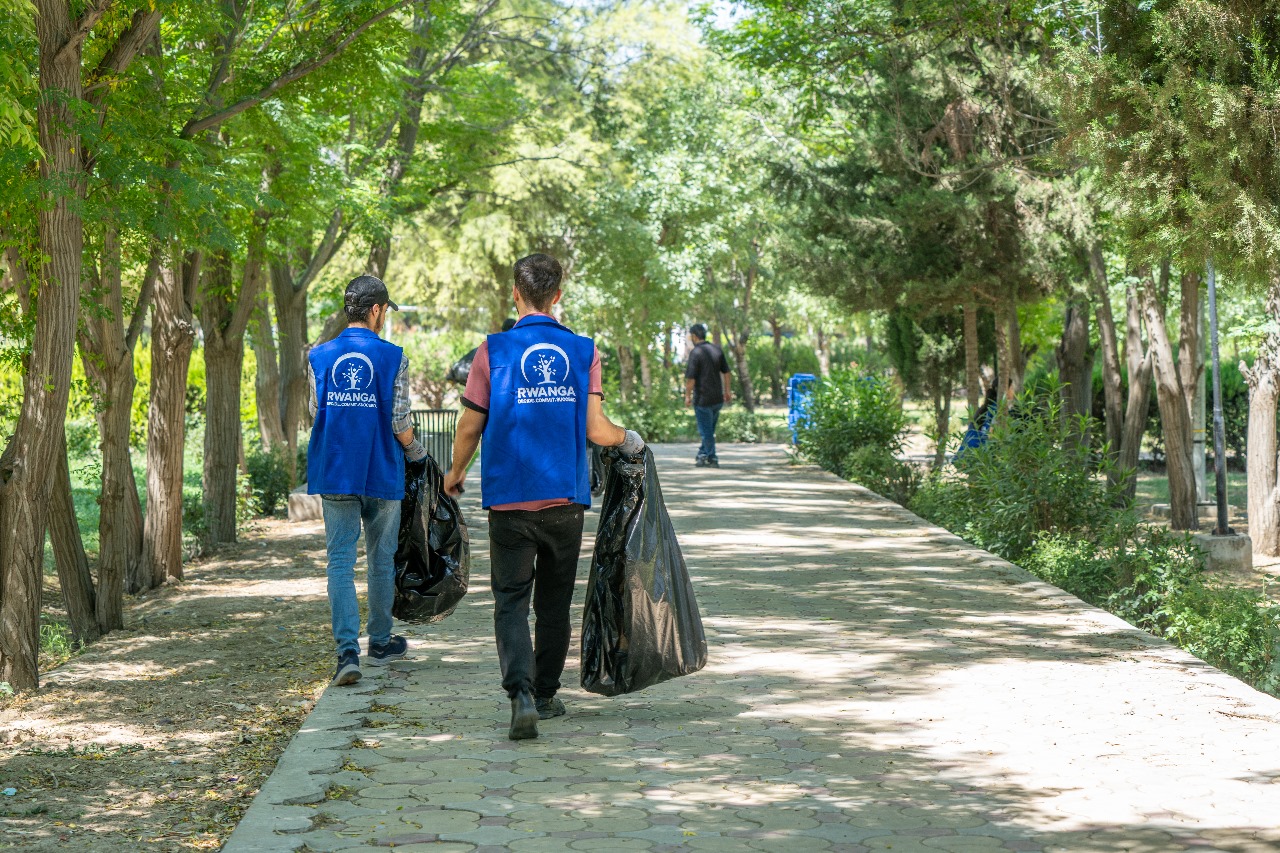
(280, 809)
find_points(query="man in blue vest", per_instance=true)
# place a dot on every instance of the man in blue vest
(534, 394)
(359, 443)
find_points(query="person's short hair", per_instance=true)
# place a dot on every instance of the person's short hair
(538, 278)
(508, 324)
(363, 292)
(699, 331)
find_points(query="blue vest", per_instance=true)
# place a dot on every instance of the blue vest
(353, 450)
(535, 441)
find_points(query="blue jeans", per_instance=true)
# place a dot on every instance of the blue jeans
(342, 517)
(707, 416)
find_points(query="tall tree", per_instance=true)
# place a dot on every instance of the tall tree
(1170, 111)
(28, 471)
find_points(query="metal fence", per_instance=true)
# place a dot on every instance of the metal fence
(435, 428)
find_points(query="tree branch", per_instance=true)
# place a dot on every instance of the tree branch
(144, 298)
(126, 48)
(297, 72)
(84, 26)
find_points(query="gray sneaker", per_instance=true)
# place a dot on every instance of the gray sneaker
(550, 707)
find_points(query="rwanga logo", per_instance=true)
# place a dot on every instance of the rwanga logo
(352, 376)
(549, 384)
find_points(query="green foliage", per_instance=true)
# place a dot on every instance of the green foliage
(268, 481)
(1030, 497)
(762, 359)
(56, 643)
(662, 417)
(431, 353)
(847, 411)
(1027, 482)
(737, 424)
(855, 429)
(1153, 578)
(1176, 115)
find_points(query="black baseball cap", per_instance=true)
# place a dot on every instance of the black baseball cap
(366, 291)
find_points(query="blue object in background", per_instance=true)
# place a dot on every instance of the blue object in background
(799, 391)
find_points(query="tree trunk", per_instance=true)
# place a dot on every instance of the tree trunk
(972, 360)
(824, 351)
(120, 510)
(69, 556)
(1017, 361)
(409, 120)
(267, 381)
(223, 363)
(1264, 467)
(1190, 347)
(1139, 361)
(291, 322)
(775, 375)
(646, 374)
(1004, 375)
(746, 389)
(225, 312)
(1112, 380)
(941, 421)
(627, 373)
(1075, 373)
(28, 473)
(107, 352)
(172, 338)
(1175, 417)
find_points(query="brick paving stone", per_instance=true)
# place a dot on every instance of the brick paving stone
(874, 684)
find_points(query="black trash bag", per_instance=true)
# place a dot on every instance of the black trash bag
(461, 368)
(433, 553)
(641, 624)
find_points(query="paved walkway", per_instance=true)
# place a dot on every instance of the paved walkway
(874, 684)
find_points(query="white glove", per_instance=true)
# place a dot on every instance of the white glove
(632, 445)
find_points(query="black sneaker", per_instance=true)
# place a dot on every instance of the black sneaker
(550, 707)
(713, 462)
(700, 462)
(393, 649)
(348, 670)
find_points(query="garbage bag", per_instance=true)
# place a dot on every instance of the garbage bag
(641, 624)
(461, 368)
(433, 552)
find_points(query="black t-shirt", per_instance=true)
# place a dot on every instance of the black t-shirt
(706, 363)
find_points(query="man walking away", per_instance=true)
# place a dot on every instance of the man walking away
(535, 396)
(355, 462)
(707, 389)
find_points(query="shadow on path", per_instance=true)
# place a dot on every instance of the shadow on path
(874, 684)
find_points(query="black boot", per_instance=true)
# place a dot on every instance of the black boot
(524, 717)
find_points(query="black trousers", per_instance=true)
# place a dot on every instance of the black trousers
(533, 554)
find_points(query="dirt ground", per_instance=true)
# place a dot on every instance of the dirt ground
(157, 737)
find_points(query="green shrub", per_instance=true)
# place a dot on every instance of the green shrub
(849, 411)
(855, 429)
(1236, 630)
(737, 424)
(268, 479)
(1027, 482)
(662, 417)
(883, 473)
(796, 357)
